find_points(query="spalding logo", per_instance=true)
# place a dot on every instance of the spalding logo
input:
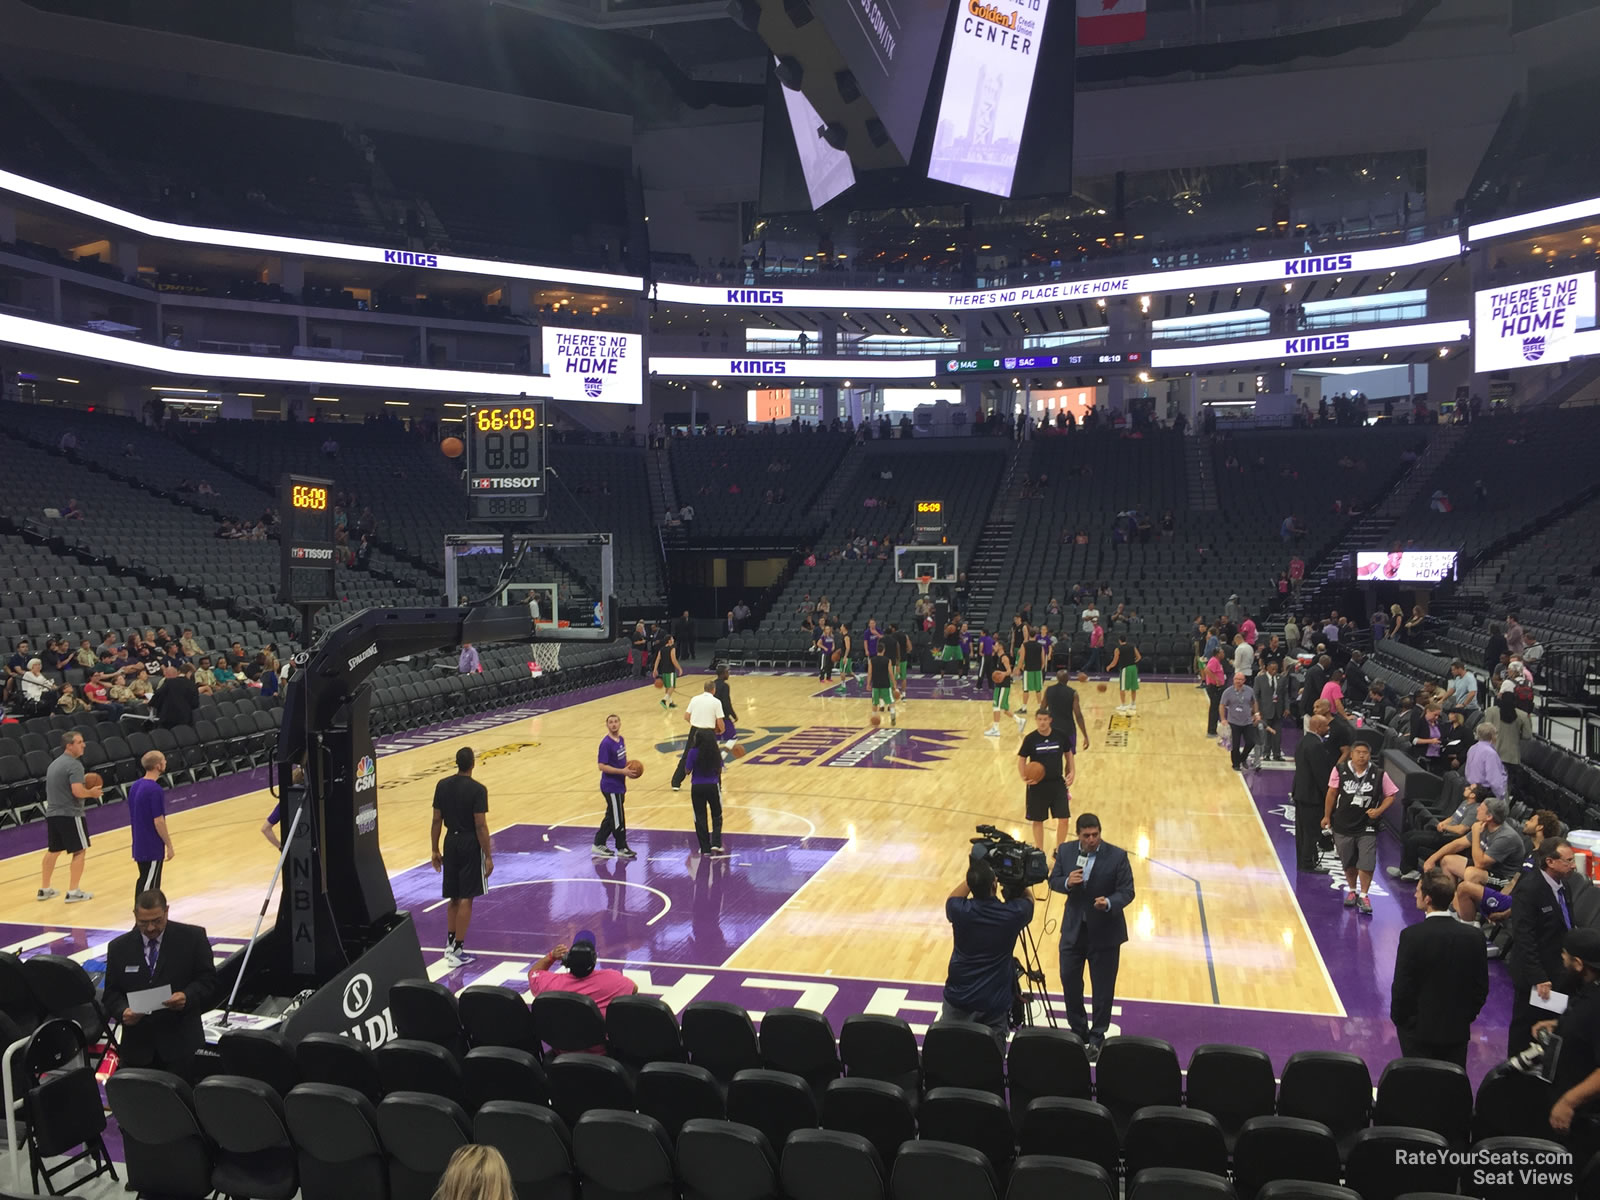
(366, 774)
(357, 995)
(1533, 348)
(592, 386)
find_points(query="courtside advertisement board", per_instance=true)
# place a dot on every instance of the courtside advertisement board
(594, 367)
(987, 86)
(1406, 566)
(1531, 324)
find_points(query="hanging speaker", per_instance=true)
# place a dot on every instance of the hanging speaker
(745, 13)
(876, 133)
(835, 134)
(849, 90)
(790, 73)
(798, 12)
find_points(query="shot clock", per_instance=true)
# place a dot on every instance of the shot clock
(505, 461)
(927, 522)
(305, 539)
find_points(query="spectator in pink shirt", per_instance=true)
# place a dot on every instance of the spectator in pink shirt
(1333, 692)
(1248, 628)
(583, 976)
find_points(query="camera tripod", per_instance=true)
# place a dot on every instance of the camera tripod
(1033, 993)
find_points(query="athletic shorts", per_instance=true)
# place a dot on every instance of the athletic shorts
(1130, 679)
(1048, 799)
(1033, 681)
(900, 670)
(1357, 851)
(462, 877)
(1002, 697)
(950, 653)
(1494, 902)
(882, 696)
(668, 680)
(66, 835)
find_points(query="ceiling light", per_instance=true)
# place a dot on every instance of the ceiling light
(193, 391)
(64, 379)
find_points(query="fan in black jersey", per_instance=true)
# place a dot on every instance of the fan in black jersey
(1049, 797)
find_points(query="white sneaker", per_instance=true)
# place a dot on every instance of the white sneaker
(48, 893)
(1022, 723)
(451, 959)
(992, 731)
(76, 894)
(1022, 712)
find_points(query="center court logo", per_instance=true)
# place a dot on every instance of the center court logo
(851, 746)
(366, 774)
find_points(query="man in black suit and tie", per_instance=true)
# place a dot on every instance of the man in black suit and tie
(1097, 880)
(1312, 763)
(1540, 918)
(1441, 976)
(155, 953)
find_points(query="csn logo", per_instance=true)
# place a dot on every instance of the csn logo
(1318, 264)
(1318, 344)
(757, 366)
(410, 258)
(366, 774)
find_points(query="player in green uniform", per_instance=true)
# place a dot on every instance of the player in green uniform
(1032, 673)
(999, 661)
(1124, 664)
(880, 677)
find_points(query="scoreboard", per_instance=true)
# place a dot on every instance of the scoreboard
(505, 460)
(305, 540)
(927, 522)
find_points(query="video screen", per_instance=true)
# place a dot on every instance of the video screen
(890, 47)
(827, 171)
(1406, 566)
(1529, 324)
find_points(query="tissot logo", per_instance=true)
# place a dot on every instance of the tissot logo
(1317, 264)
(757, 366)
(754, 296)
(324, 554)
(1318, 344)
(410, 258)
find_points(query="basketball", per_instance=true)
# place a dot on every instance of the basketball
(997, 676)
(453, 447)
(836, 655)
(92, 780)
(658, 682)
(739, 752)
(949, 629)
(1033, 772)
(1099, 687)
(635, 768)
(876, 720)
(1083, 677)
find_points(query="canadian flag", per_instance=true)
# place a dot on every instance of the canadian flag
(1107, 22)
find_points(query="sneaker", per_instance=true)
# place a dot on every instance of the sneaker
(717, 849)
(670, 704)
(626, 853)
(678, 787)
(48, 894)
(602, 852)
(1492, 951)
(76, 894)
(663, 706)
(1349, 899)
(1364, 906)
(1022, 712)
(1392, 872)
(450, 958)
(1022, 724)
(893, 719)
(992, 731)
(460, 958)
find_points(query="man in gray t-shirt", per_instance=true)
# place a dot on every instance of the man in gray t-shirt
(1492, 847)
(1238, 708)
(64, 794)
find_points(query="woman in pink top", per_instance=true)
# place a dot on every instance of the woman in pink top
(1216, 679)
(1333, 692)
(1248, 628)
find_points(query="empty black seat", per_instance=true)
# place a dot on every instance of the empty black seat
(1232, 1083)
(1163, 1136)
(969, 1117)
(1506, 1185)
(1427, 1094)
(877, 1111)
(335, 1133)
(674, 1093)
(342, 1061)
(535, 1144)
(568, 1022)
(1049, 1177)
(65, 989)
(405, 1065)
(502, 1073)
(1174, 1183)
(623, 1156)
(640, 1030)
(825, 1164)
(497, 1016)
(774, 1102)
(800, 1042)
(721, 1038)
(581, 1082)
(1080, 1128)
(1133, 1072)
(1046, 1062)
(1511, 1103)
(1382, 1162)
(1300, 1189)
(1269, 1148)
(259, 1054)
(962, 1054)
(928, 1170)
(724, 1160)
(425, 1011)
(881, 1047)
(420, 1133)
(255, 1156)
(166, 1151)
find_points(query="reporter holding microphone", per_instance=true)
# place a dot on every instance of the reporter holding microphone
(1097, 880)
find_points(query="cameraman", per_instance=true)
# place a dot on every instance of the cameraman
(982, 972)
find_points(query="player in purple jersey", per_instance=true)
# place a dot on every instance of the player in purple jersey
(871, 636)
(613, 762)
(825, 648)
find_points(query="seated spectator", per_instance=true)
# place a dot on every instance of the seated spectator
(583, 975)
(187, 643)
(85, 656)
(1491, 846)
(73, 511)
(17, 664)
(222, 674)
(37, 691)
(204, 677)
(476, 1172)
(1476, 894)
(68, 701)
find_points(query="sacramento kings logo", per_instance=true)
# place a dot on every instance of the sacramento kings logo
(591, 386)
(1533, 348)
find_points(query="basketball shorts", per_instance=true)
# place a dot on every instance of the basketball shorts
(1048, 800)
(1494, 902)
(900, 670)
(1130, 679)
(66, 835)
(950, 653)
(882, 696)
(668, 680)
(1002, 697)
(462, 876)
(1357, 851)
(1033, 681)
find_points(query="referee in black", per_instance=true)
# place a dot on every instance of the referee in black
(1049, 797)
(461, 810)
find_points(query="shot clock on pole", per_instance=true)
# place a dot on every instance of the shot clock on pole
(505, 461)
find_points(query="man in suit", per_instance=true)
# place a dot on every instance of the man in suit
(1097, 880)
(1312, 763)
(1540, 919)
(154, 953)
(1441, 977)
(1311, 684)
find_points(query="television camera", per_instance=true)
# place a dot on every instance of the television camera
(1016, 864)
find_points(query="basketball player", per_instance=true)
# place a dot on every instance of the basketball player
(950, 652)
(825, 646)
(1032, 673)
(705, 790)
(1066, 709)
(1125, 658)
(147, 822)
(905, 662)
(1001, 692)
(871, 637)
(1050, 797)
(1047, 645)
(724, 693)
(613, 759)
(986, 648)
(1019, 630)
(846, 649)
(461, 808)
(966, 651)
(666, 669)
(892, 651)
(880, 678)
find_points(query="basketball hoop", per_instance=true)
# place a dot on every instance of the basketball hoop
(922, 583)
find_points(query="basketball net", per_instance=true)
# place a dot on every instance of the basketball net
(546, 657)
(922, 583)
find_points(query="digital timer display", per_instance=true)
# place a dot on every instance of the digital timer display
(521, 418)
(303, 495)
(927, 522)
(505, 460)
(930, 506)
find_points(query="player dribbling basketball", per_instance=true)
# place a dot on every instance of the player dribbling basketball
(1050, 797)
(998, 663)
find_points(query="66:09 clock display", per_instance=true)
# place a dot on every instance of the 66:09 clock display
(497, 420)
